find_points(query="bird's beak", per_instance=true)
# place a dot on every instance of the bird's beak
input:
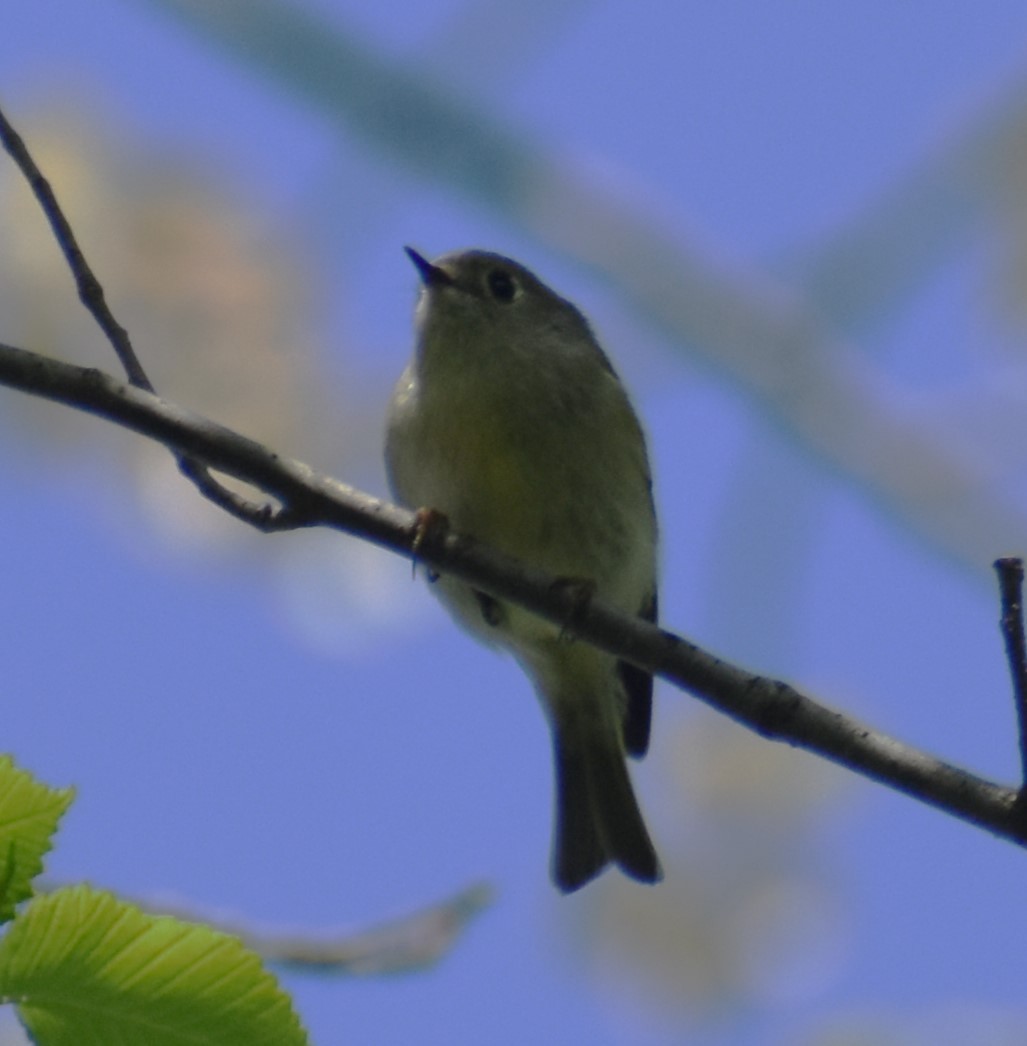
(431, 275)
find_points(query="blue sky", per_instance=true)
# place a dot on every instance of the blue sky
(249, 734)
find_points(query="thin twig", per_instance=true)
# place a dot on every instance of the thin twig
(265, 516)
(1010, 580)
(90, 292)
(771, 708)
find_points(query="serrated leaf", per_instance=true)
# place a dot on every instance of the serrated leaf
(87, 969)
(29, 813)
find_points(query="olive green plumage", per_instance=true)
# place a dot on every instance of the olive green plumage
(511, 422)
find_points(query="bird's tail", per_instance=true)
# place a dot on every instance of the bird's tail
(597, 815)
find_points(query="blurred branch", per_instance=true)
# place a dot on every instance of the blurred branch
(858, 276)
(771, 708)
(517, 34)
(411, 942)
(771, 343)
(893, 243)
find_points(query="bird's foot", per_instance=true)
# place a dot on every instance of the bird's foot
(577, 594)
(430, 525)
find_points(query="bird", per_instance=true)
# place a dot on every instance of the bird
(511, 424)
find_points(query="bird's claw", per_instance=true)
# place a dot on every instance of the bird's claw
(577, 594)
(429, 525)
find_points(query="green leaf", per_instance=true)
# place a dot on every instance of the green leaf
(29, 812)
(87, 969)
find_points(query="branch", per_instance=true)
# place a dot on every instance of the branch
(771, 708)
(412, 942)
(90, 292)
(1010, 577)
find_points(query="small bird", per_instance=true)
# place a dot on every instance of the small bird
(511, 423)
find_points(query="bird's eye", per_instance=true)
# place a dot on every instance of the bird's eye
(501, 285)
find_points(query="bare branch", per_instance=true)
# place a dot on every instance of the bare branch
(90, 292)
(265, 517)
(771, 708)
(1010, 579)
